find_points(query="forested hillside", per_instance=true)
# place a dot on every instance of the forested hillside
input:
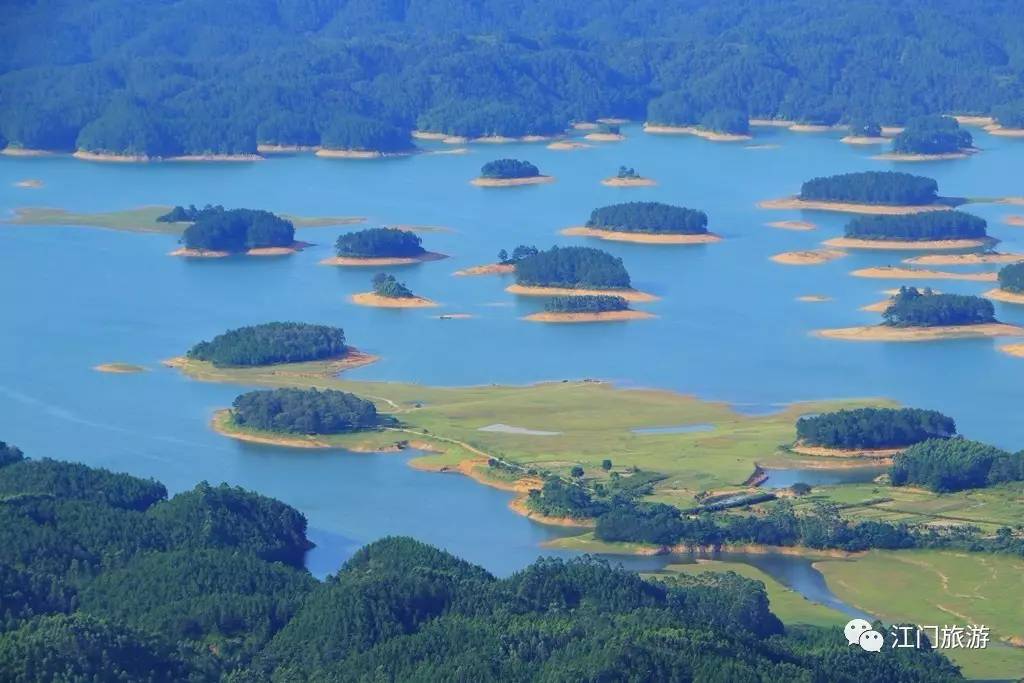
(190, 76)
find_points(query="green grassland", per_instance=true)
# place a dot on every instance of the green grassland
(143, 219)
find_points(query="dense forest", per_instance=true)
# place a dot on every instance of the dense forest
(508, 168)
(913, 308)
(873, 428)
(379, 243)
(1011, 278)
(945, 465)
(235, 230)
(586, 304)
(577, 267)
(184, 77)
(872, 187)
(99, 584)
(867, 129)
(517, 255)
(916, 227)
(305, 411)
(932, 134)
(1009, 115)
(652, 217)
(270, 343)
(387, 285)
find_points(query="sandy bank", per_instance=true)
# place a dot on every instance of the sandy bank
(971, 120)
(285, 149)
(792, 225)
(1017, 221)
(812, 128)
(892, 131)
(519, 505)
(586, 125)
(119, 368)
(761, 147)
(325, 367)
(848, 207)
(814, 298)
(999, 131)
(627, 294)
(772, 123)
(613, 120)
(1004, 296)
(349, 154)
(489, 269)
(1016, 350)
(372, 299)
(906, 245)
(257, 251)
(629, 182)
(223, 425)
(25, 152)
(878, 306)
(808, 258)
(85, 155)
(913, 334)
(29, 184)
(511, 182)
(963, 259)
(693, 130)
(455, 316)
(604, 137)
(899, 156)
(641, 237)
(822, 451)
(428, 135)
(863, 140)
(564, 145)
(596, 317)
(383, 260)
(897, 273)
(215, 157)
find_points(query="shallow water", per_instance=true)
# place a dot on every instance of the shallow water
(819, 476)
(729, 326)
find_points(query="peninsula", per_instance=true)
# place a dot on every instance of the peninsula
(931, 138)
(871, 192)
(646, 223)
(388, 292)
(216, 232)
(358, 137)
(1011, 285)
(574, 271)
(941, 230)
(509, 173)
(380, 247)
(587, 309)
(679, 113)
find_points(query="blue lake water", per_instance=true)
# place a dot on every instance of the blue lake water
(784, 478)
(729, 326)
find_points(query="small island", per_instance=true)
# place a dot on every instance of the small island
(812, 257)
(388, 292)
(799, 226)
(1011, 285)
(677, 113)
(931, 138)
(898, 273)
(216, 232)
(948, 465)
(646, 223)
(606, 132)
(628, 177)
(298, 417)
(878, 192)
(574, 271)
(979, 259)
(922, 316)
(509, 173)
(935, 230)
(359, 137)
(506, 264)
(587, 309)
(869, 432)
(864, 133)
(380, 247)
(119, 368)
(270, 344)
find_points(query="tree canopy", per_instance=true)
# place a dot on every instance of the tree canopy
(932, 135)
(586, 304)
(945, 465)
(361, 133)
(913, 308)
(235, 230)
(651, 217)
(873, 428)
(379, 243)
(305, 411)
(872, 187)
(270, 343)
(677, 108)
(387, 285)
(575, 267)
(1011, 278)
(508, 168)
(923, 226)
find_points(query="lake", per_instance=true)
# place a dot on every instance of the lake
(729, 325)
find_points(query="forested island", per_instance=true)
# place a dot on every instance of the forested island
(925, 230)
(646, 222)
(882, 192)
(946, 465)
(870, 429)
(105, 578)
(358, 137)
(305, 411)
(680, 112)
(864, 132)
(1011, 284)
(587, 308)
(628, 177)
(509, 172)
(572, 271)
(388, 292)
(380, 247)
(271, 343)
(913, 308)
(931, 137)
(218, 232)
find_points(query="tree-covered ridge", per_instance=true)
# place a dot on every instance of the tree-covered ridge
(1009, 115)
(270, 343)
(508, 168)
(1011, 278)
(651, 217)
(913, 308)
(586, 304)
(945, 465)
(305, 411)
(873, 428)
(360, 133)
(236, 230)
(932, 135)
(172, 78)
(923, 226)
(574, 267)
(379, 243)
(872, 187)
(387, 285)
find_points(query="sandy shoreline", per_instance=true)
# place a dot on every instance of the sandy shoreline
(256, 251)
(848, 207)
(1015, 350)
(1016, 221)
(963, 259)
(26, 152)
(324, 367)
(105, 157)
(813, 128)
(119, 368)
(383, 260)
(29, 184)
(1004, 296)
(802, 226)
(907, 245)
(565, 145)
(372, 299)
(629, 182)
(641, 237)
(814, 298)
(999, 131)
(221, 423)
(488, 269)
(974, 120)
(349, 153)
(824, 452)
(863, 140)
(812, 257)
(657, 129)
(772, 123)
(913, 334)
(285, 149)
(604, 137)
(511, 182)
(900, 156)
(627, 294)
(896, 273)
(596, 317)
